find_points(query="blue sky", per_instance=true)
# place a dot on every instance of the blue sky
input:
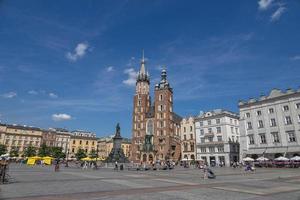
(72, 63)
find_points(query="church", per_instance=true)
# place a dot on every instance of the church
(155, 126)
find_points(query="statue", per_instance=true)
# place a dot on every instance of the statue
(117, 153)
(118, 132)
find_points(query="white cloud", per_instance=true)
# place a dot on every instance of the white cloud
(79, 52)
(131, 77)
(277, 14)
(9, 95)
(297, 57)
(52, 95)
(110, 69)
(61, 117)
(264, 4)
(33, 92)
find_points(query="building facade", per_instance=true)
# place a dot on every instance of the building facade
(270, 125)
(217, 137)
(62, 139)
(188, 141)
(87, 143)
(48, 138)
(155, 127)
(19, 137)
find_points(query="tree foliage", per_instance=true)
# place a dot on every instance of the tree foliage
(56, 152)
(30, 151)
(44, 150)
(14, 152)
(3, 149)
(93, 154)
(80, 154)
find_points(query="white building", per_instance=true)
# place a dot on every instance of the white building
(270, 125)
(62, 139)
(217, 137)
(83, 133)
(188, 150)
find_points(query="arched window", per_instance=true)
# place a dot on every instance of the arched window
(149, 127)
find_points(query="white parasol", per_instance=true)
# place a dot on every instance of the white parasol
(296, 158)
(262, 159)
(281, 158)
(248, 159)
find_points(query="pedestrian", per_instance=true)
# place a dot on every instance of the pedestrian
(205, 171)
(56, 165)
(116, 166)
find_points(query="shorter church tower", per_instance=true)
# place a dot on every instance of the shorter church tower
(167, 124)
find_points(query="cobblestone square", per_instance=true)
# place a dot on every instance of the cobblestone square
(72, 183)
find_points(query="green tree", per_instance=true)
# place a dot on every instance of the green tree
(14, 152)
(93, 154)
(80, 154)
(56, 152)
(30, 151)
(3, 149)
(44, 150)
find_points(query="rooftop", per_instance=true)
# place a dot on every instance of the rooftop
(274, 94)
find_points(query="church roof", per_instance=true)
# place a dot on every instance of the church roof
(176, 117)
(151, 112)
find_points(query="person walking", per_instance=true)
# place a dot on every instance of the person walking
(205, 171)
(116, 166)
(56, 165)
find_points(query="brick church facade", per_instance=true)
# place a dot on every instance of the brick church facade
(155, 127)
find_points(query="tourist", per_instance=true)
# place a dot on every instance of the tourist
(56, 165)
(116, 166)
(205, 171)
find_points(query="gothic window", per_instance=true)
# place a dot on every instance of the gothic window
(150, 127)
(160, 97)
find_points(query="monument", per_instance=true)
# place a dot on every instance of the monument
(117, 153)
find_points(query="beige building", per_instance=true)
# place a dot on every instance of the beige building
(188, 150)
(20, 137)
(82, 142)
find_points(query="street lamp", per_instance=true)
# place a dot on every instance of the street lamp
(67, 154)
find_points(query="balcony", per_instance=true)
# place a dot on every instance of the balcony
(209, 134)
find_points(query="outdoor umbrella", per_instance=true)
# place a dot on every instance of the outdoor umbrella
(296, 158)
(262, 159)
(281, 158)
(248, 159)
(5, 155)
(86, 159)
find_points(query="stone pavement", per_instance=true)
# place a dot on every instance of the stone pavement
(41, 183)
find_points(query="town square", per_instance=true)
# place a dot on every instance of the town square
(180, 183)
(149, 99)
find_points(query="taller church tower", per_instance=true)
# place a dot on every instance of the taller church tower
(141, 106)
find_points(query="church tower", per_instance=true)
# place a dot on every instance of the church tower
(167, 124)
(141, 106)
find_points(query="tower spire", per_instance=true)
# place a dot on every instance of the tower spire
(143, 56)
(143, 75)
